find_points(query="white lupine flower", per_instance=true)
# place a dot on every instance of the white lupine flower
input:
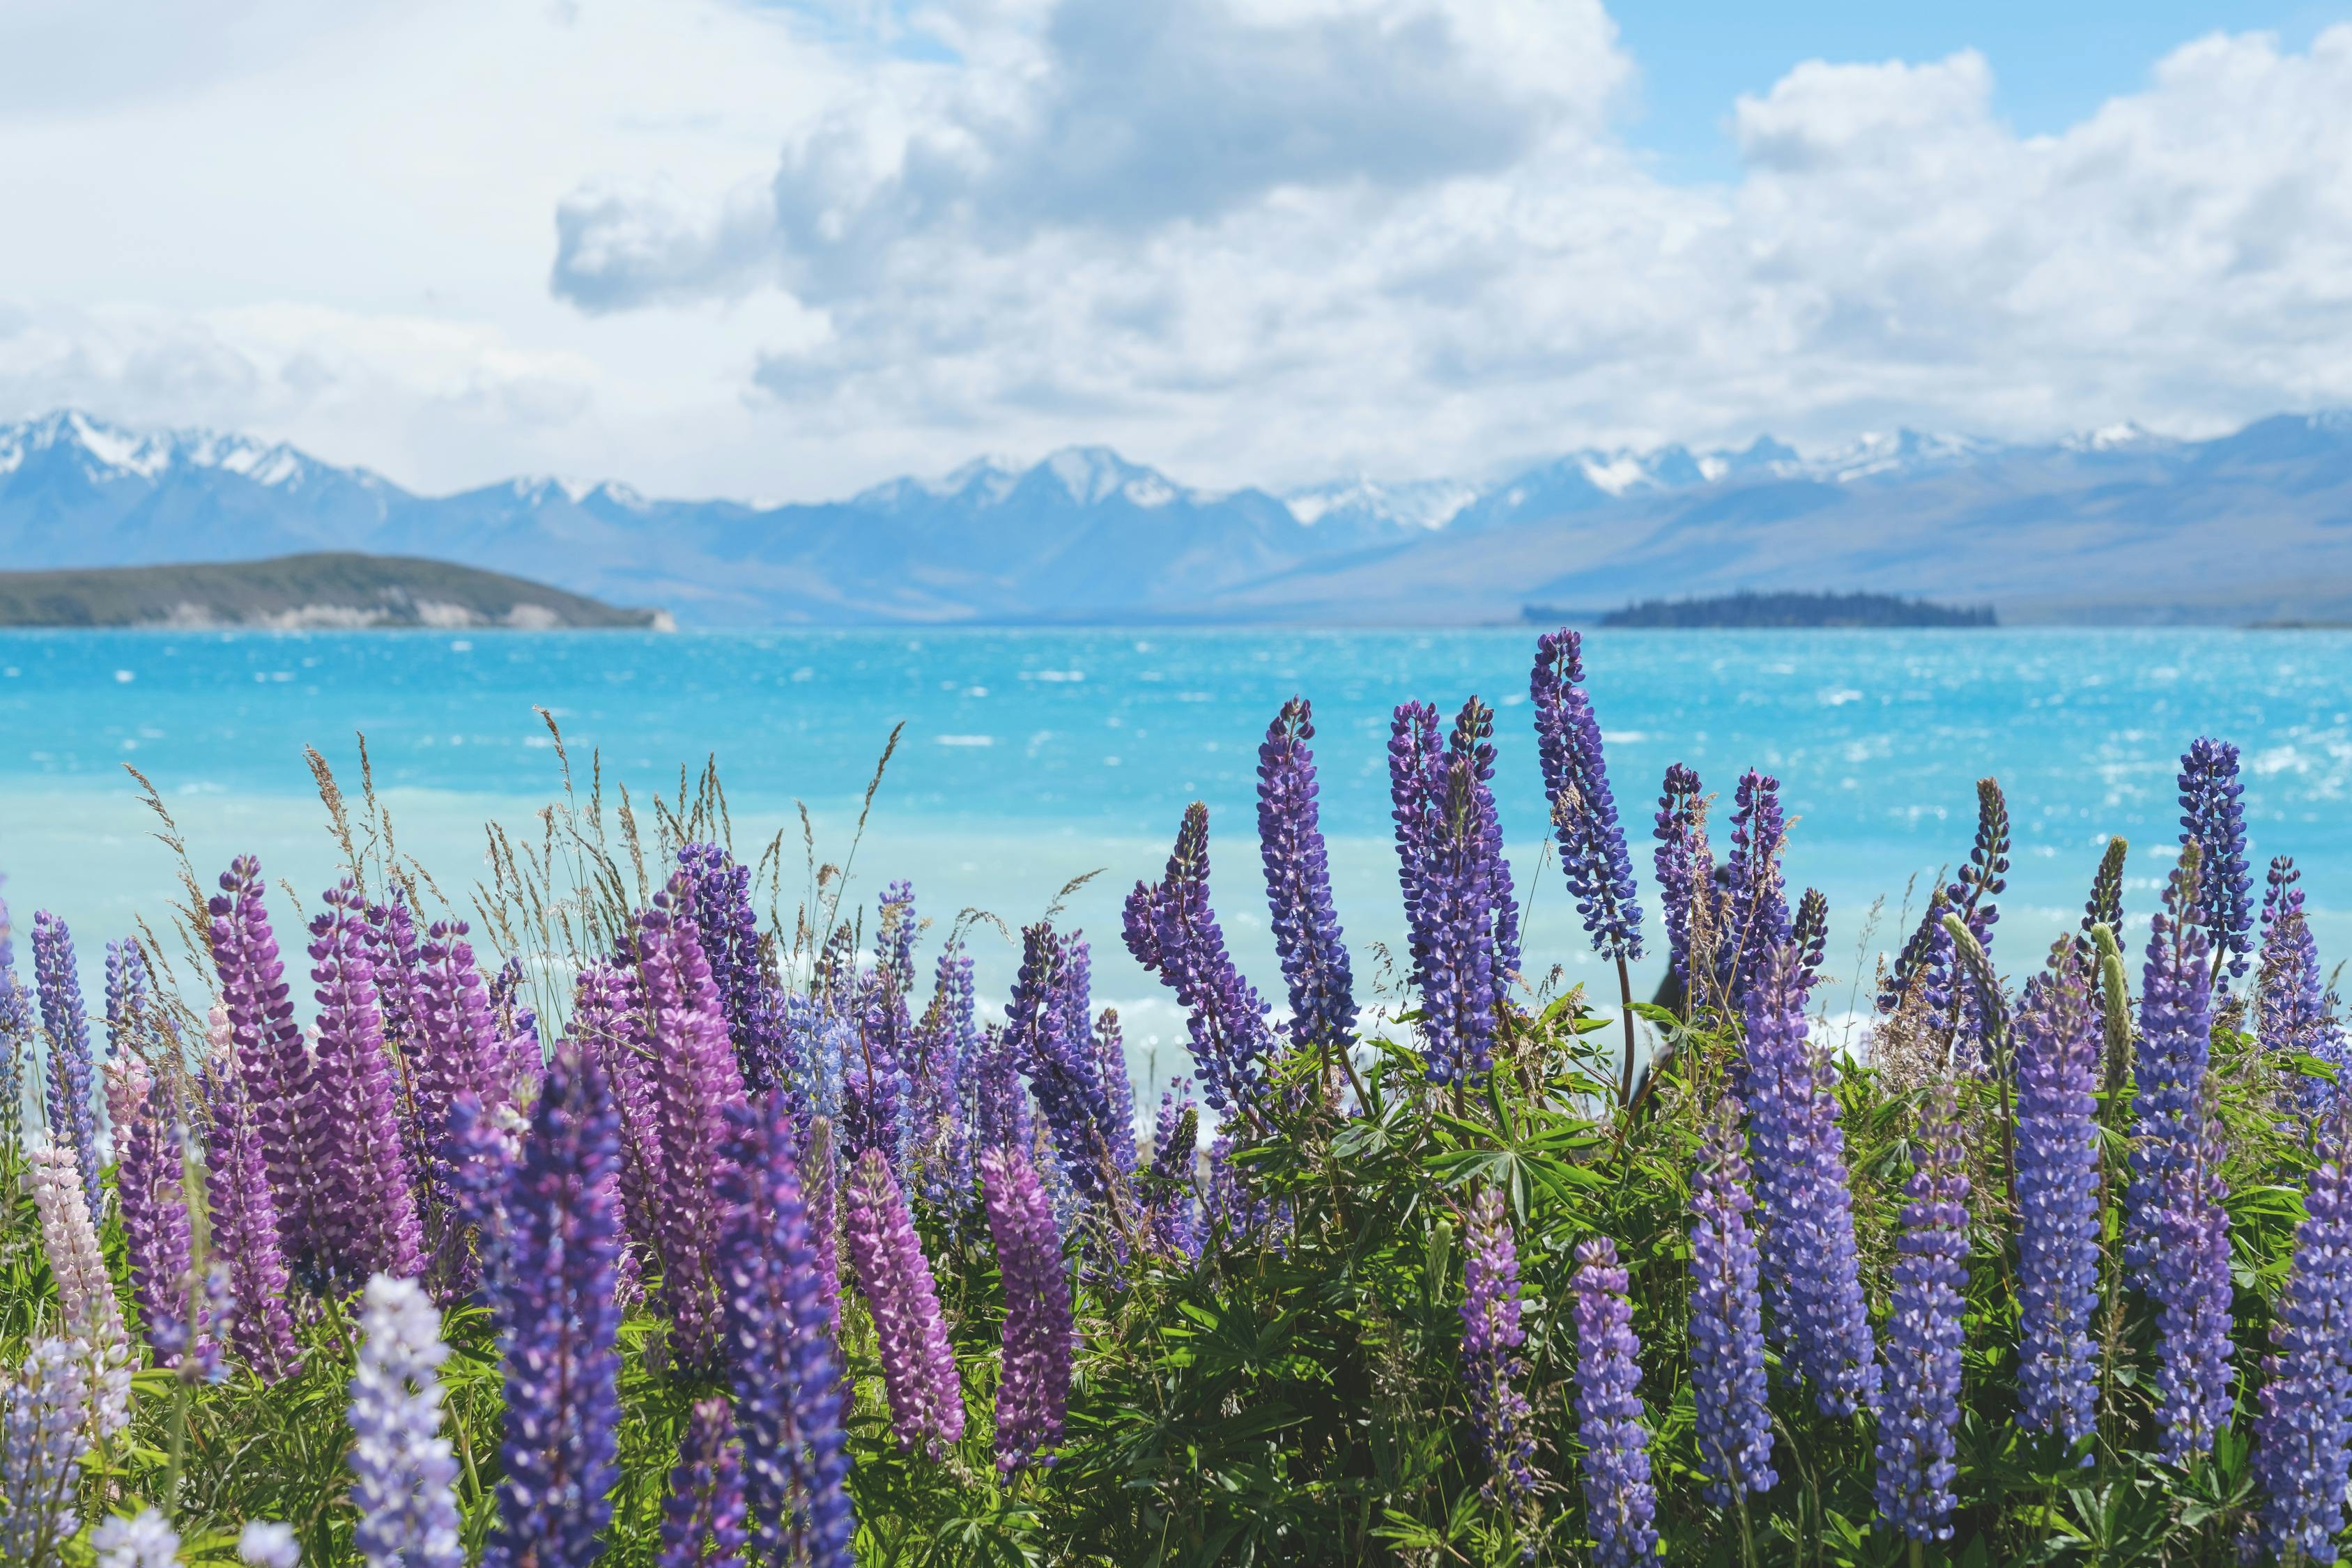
(265, 1543)
(146, 1541)
(44, 1433)
(85, 1291)
(403, 1473)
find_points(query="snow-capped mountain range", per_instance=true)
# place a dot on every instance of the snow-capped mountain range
(2116, 524)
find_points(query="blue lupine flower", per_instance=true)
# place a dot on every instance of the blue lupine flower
(2213, 817)
(1755, 914)
(720, 901)
(72, 1082)
(1621, 1504)
(1491, 1338)
(1306, 936)
(2188, 1282)
(1686, 867)
(2303, 1436)
(1172, 931)
(1726, 1328)
(1920, 1400)
(1592, 853)
(2176, 1018)
(2057, 1138)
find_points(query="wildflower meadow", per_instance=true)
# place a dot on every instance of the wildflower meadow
(657, 1201)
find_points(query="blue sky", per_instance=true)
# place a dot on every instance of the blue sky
(2053, 63)
(787, 249)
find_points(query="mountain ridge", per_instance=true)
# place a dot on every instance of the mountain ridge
(2114, 524)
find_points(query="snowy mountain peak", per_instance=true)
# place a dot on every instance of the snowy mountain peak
(1092, 475)
(109, 451)
(1412, 503)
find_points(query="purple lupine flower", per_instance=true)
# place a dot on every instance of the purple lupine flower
(1045, 1026)
(1464, 941)
(2213, 817)
(696, 1084)
(875, 1085)
(368, 1223)
(128, 985)
(2188, 1283)
(819, 1155)
(522, 1056)
(1923, 966)
(1621, 1504)
(1930, 961)
(999, 1103)
(1756, 913)
(1306, 936)
(608, 1023)
(1171, 1209)
(1172, 931)
(43, 1437)
(2176, 1020)
(72, 1081)
(1920, 1400)
(552, 1298)
(702, 1523)
(721, 904)
(918, 1369)
(2303, 1436)
(17, 1010)
(273, 1065)
(1592, 852)
(403, 1472)
(1040, 1337)
(1727, 1324)
(148, 1180)
(2295, 1016)
(1491, 1338)
(789, 1400)
(1811, 1271)
(2057, 1182)
(1809, 933)
(819, 1039)
(485, 1149)
(1119, 1087)
(244, 1229)
(942, 1046)
(454, 1048)
(1686, 867)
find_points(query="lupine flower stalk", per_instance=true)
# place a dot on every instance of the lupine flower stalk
(1756, 901)
(2303, 1433)
(244, 1215)
(2295, 1017)
(72, 1081)
(1045, 1026)
(16, 1014)
(266, 1543)
(368, 1222)
(1727, 1324)
(1170, 1208)
(148, 1178)
(702, 1523)
(146, 1540)
(696, 1084)
(1592, 852)
(86, 1300)
(273, 1065)
(552, 1296)
(2175, 1017)
(2188, 1283)
(1920, 1400)
(1306, 935)
(782, 1357)
(1462, 915)
(943, 1047)
(1039, 1335)
(1687, 895)
(1621, 1504)
(1811, 1270)
(2213, 818)
(127, 987)
(1172, 931)
(721, 907)
(43, 1437)
(1491, 1338)
(918, 1369)
(2057, 1185)
(403, 1473)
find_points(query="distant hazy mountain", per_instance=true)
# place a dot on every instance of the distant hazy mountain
(2116, 525)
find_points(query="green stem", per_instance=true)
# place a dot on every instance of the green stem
(1625, 996)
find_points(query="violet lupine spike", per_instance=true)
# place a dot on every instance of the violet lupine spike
(1920, 1399)
(702, 1522)
(72, 1080)
(403, 1472)
(1056, 1052)
(1491, 1338)
(1620, 1504)
(1172, 931)
(2213, 817)
(393, 951)
(552, 1298)
(522, 1055)
(148, 1183)
(1171, 1209)
(367, 1222)
(789, 1398)
(1306, 936)
(918, 1369)
(819, 1161)
(696, 1084)
(1755, 914)
(128, 986)
(459, 1048)
(608, 1021)
(999, 1103)
(1110, 1066)
(2175, 1017)
(1461, 957)
(2188, 1284)
(245, 1230)
(875, 1085)
(722, 909)
(1033, 1393)
(1809, 932)
(1416, 786)
(2059, 1043)
(2294, 1017)
(1811, 1269)
(273, 1065)
(894, 935)
(1471, 742)
(44, 1437)
(2303, 1433)
(1924, 964)
(1685, 864)
(1727, 1324)
(1592, 853)
(948, 1037)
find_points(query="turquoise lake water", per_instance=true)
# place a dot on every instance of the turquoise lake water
(1030, 757)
